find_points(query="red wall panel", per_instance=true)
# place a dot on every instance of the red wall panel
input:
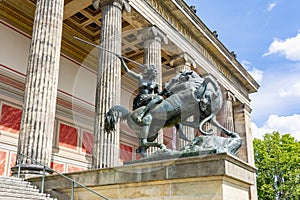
(3, 155)
(72, 168)
(87, 142)
(59, 167)
(13, 158)
(10, 119)
(68, 136)
(125, 152)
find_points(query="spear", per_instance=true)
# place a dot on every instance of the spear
(97, 46)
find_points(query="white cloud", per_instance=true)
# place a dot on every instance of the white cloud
(282, 124)
(255, 73)
(292, 91)
(271, 6)
(290, 48)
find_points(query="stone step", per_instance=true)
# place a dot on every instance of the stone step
(21, 198)
(16, 188)
(11, 178)
(12, 188)
(23, 184)
(9, 195)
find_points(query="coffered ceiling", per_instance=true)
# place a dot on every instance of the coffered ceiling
(82, 20)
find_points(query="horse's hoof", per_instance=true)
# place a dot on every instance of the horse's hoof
(144, 155)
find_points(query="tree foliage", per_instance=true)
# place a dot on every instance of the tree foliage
(277, 158)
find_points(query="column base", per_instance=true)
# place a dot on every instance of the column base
(29, 170)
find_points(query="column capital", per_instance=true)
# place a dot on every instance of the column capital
(183, 61)
(230, 96)
(122, 4)
(152, 33)
(242, 107)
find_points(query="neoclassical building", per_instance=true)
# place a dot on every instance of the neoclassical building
(55, 89)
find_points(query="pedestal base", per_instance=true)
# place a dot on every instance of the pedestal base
(29, 170)
(212, 177)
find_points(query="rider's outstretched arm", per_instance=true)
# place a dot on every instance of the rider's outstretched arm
(127, 70)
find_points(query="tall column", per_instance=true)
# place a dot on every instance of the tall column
(182, 63)
(228, 111)
(106, 146)
(152, 39)
(36, 133)
(242, 123)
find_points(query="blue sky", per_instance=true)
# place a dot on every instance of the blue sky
(265, 35)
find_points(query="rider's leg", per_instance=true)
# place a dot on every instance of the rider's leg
(153, 102)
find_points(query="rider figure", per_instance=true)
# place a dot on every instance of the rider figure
(148, 95)
(148, 87)
(180, 82)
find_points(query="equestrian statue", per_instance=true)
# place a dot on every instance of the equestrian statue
(187, 94)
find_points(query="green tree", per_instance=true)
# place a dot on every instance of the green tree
(277, 158)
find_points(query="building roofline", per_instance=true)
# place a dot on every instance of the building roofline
(221, 51)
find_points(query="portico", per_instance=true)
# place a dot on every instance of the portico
(153, 32)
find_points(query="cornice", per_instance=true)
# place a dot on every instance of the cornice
(16, 17)
(185, 21)
(221, 51)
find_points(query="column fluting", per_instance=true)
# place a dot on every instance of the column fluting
(36, 132)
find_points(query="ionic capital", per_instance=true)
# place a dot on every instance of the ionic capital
(152, 33)
(122, 4)
(230, 96)
(183, 61)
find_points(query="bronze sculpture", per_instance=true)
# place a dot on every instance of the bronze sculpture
(191, 95)
(148, 95)
(187, 94)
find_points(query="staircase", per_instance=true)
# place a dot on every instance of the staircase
(12, 188)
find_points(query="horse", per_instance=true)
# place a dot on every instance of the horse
(191, 95)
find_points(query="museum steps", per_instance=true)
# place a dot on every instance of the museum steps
(12, 188)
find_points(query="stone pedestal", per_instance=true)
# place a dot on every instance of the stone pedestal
(213, 177)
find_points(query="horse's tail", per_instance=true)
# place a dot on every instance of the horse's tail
(113, 116)
(217, 100)
(207, 119)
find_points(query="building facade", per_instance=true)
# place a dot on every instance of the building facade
(55, 89)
